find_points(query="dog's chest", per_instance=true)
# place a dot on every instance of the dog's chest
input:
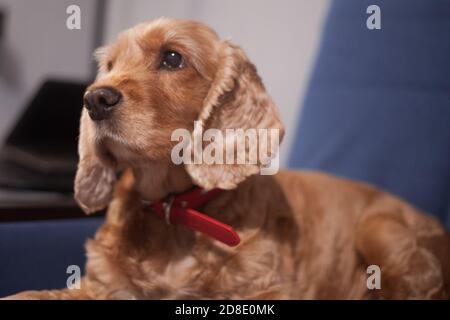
(208, 270)
(222, 273)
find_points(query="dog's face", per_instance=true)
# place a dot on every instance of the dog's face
(156, 78)
(151, 81)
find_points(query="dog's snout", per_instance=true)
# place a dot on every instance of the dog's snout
(100, 102)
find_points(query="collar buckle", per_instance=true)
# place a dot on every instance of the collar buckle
(167, 206)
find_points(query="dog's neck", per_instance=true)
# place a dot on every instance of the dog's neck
(155, 180)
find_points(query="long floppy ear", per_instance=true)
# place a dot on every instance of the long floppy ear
(237, 99)
(94, 179)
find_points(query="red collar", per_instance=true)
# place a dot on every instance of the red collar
(179, 209)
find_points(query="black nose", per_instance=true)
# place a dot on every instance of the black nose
(101, 102)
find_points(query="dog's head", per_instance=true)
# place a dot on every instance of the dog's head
(156, 78)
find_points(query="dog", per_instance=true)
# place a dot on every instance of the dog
(293, 235)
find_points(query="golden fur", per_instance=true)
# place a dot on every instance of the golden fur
(305, 235)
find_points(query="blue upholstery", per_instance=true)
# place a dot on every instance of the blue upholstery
(35, 255)
(378, 104)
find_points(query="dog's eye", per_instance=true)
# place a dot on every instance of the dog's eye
(109, 65)
(172, 60)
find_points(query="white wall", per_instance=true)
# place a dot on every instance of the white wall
(280, 36)
(37, 45)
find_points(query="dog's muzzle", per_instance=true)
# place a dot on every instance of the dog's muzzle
(101, 102)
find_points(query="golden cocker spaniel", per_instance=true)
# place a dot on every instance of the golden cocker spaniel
(302, 235)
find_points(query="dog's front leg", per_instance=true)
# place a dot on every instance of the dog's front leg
(64, 294)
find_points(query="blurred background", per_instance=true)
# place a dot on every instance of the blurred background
(367, 104)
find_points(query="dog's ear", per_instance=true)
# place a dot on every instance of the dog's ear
(236, 100)
(95, 177)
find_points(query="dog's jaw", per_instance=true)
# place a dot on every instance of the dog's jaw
(154, 179)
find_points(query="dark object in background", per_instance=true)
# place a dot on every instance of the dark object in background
(40, 153)
(378, 104)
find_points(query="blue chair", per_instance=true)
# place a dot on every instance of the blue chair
(378, 104)
(35, 255)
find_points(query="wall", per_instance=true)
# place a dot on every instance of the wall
(36, 45)
(280, 37)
